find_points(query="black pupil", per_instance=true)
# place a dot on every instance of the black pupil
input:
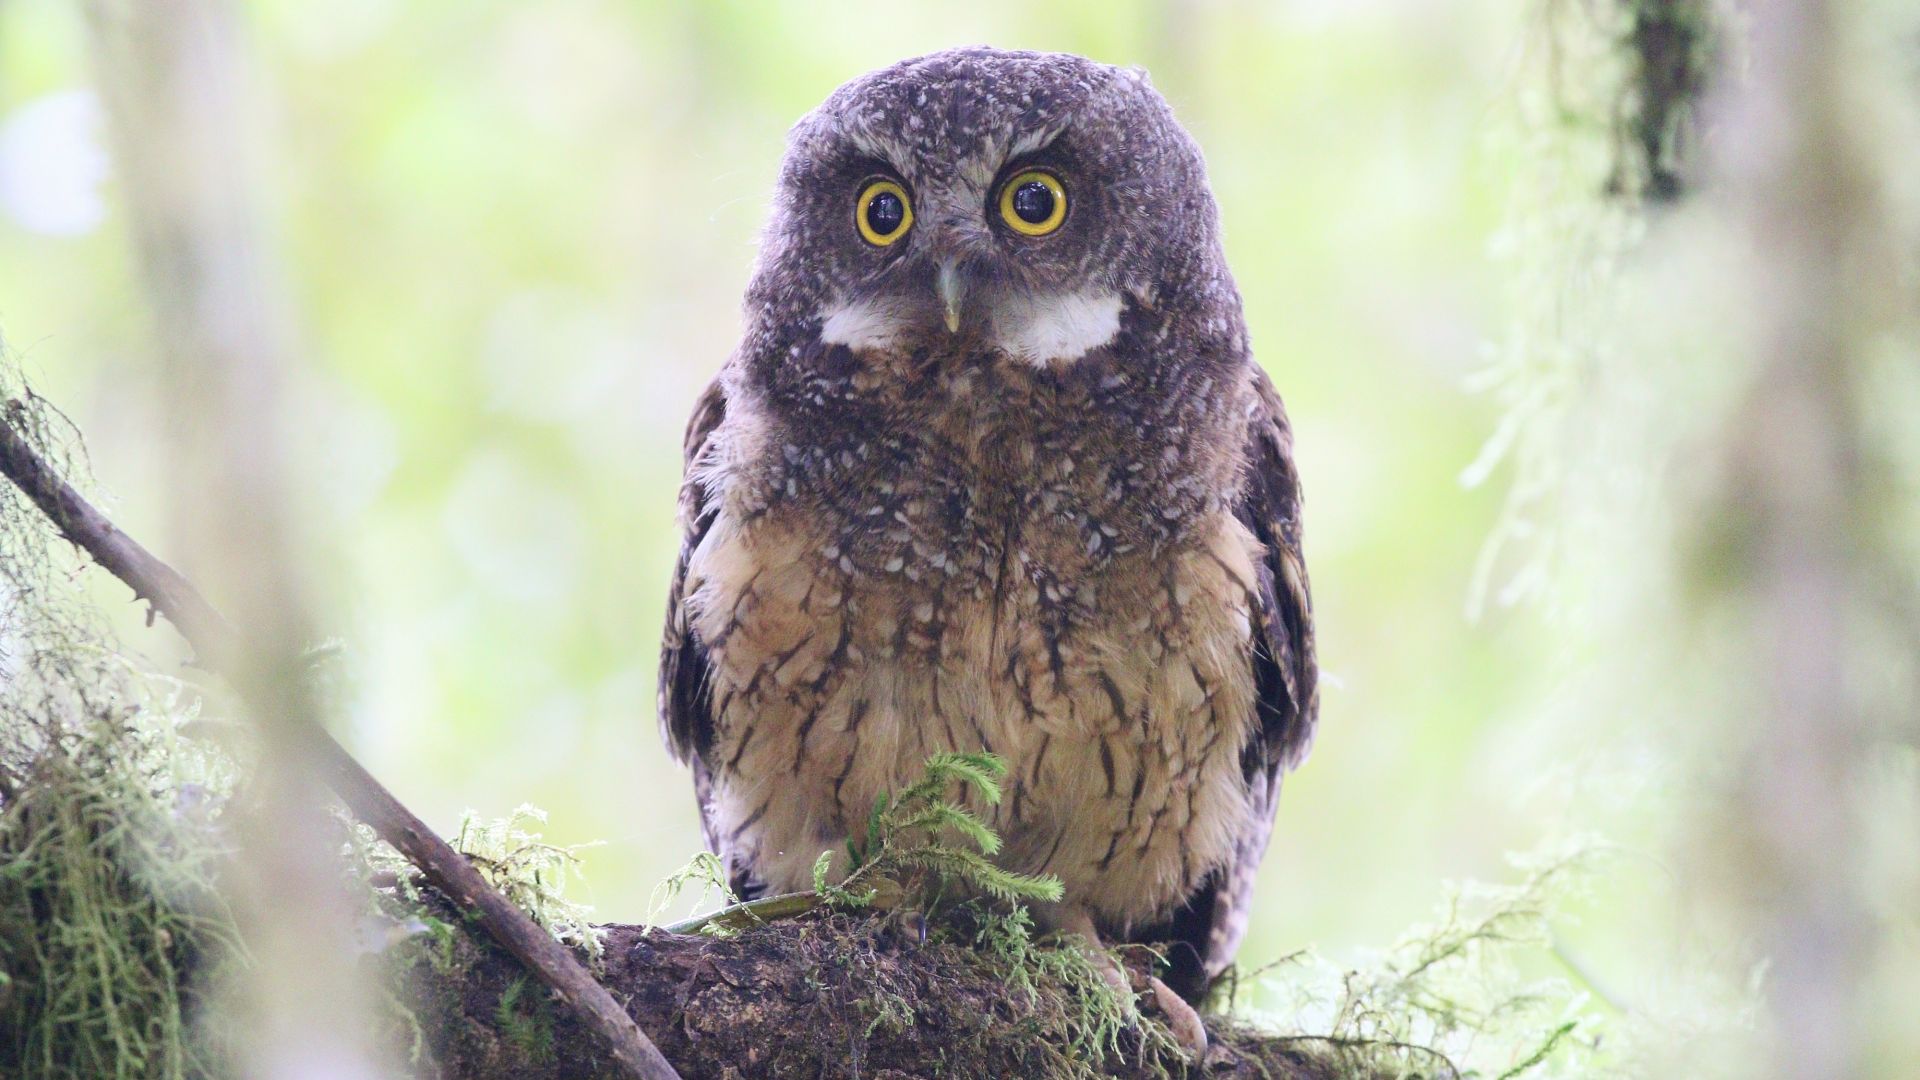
(1033, 201)
(885, 212)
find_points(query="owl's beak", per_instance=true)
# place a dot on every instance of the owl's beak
(953, 292)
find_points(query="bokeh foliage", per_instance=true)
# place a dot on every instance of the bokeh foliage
(518, 234)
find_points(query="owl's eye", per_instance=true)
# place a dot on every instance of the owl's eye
(1033, 203)
(883, 212)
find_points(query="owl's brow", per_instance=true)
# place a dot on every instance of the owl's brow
(885, 147)
(877, 147)
(1034, 141)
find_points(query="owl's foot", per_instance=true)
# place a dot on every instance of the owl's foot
(1182, 1019)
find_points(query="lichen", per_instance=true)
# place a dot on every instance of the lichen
(1449, 998)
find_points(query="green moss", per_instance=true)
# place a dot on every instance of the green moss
(922, 840)
(891, 1012)
(1097, 1021)
(526, 1020)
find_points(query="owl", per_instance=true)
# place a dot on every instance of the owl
(993, 469)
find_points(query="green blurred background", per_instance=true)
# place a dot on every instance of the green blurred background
(516, 235)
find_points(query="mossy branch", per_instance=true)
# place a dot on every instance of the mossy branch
(219, 643)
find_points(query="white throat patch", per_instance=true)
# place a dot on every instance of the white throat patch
(1057, 329)
(863, 325)
(1037, 330)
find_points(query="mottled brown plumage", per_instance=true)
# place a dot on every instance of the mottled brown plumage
(979, 490)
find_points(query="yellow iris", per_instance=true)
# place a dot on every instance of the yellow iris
(883, 212)
(1033, 203)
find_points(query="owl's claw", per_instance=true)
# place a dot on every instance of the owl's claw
(1182, 1019)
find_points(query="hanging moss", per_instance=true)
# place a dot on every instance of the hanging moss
(110, 916)
(107, 914)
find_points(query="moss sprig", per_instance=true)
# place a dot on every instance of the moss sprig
(921, 841)
(510, 853)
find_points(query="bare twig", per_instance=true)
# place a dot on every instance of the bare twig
(751, 913)
(218, 642)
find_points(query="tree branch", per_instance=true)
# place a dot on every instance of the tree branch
(219, 644)
(824, 993)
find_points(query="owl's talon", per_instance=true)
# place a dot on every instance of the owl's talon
(1182, 1019)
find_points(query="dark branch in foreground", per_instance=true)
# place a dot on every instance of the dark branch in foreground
(218, 642)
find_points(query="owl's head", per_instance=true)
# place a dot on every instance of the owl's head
(1016, 199)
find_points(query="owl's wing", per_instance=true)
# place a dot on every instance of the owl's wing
(1204, 934)
(686, 694)
(1286, 674)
